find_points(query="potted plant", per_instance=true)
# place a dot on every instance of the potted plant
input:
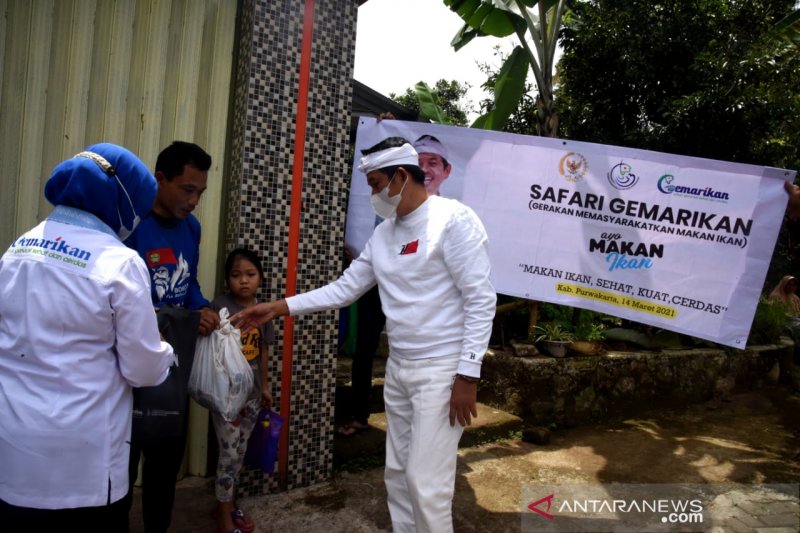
(771, 320)
(588, 339)
(554, 338)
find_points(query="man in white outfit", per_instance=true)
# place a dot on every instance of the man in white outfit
(430, 261)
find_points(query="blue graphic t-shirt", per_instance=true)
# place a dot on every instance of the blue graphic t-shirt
(170, 249)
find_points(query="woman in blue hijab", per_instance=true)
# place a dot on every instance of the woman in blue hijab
(77, 332)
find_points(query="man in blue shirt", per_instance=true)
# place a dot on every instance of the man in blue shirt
(168, 239)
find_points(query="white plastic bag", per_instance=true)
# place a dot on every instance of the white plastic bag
(221, 377)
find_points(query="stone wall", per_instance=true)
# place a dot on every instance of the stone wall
(575, 390)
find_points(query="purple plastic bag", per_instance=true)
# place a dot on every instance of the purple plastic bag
(262, 447)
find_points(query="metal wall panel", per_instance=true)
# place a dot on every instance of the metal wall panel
(140, 73)
(137, 73)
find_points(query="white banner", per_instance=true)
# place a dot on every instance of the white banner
(677, 242)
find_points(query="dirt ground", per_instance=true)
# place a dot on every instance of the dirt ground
(749, 438)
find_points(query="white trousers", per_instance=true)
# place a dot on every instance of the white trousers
(421, 446)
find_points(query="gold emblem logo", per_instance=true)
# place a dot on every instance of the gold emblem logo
(573, 166)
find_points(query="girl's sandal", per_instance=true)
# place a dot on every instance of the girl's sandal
(242, 521)
(351, 429)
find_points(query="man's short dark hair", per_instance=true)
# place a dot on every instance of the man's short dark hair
(174, 157)
(389, 142)
(428, 137)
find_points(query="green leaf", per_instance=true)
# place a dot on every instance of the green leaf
(508, 89)
(668, 340)
(489, 17)
(465, 8)
(477, 17)
(499, 23)
(788, 28)
(481, 121)
(464, 36)
(632, 336)
(427, 104)
(789, 21)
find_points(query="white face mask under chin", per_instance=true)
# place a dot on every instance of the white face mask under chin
(383, 204)
(124, 232)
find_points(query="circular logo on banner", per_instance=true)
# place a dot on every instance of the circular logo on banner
(621, 176)
(573, 166)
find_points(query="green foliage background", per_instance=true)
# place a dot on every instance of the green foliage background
(705, 78)
(450, 96)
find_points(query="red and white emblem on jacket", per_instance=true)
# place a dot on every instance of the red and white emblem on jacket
(410, 248)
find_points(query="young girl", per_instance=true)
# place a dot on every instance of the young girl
(243, 277)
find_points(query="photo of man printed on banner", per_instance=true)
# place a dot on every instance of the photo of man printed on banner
(433, 161)
(443, 156)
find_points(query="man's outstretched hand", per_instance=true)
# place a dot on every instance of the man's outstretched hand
(258, 314)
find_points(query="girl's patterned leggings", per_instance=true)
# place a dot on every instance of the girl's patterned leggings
(232, 439)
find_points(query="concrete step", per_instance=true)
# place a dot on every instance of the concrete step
(367, 448)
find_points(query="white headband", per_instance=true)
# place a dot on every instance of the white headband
(430, 146)
(401, 155)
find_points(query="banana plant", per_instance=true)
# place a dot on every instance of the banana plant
(788, 28)
(428, 107)
(536, 24)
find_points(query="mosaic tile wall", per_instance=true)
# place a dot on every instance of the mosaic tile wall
(259, 197)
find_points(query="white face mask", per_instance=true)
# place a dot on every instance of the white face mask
(383, 204)
(124, 232)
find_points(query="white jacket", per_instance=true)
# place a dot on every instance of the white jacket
(432, 270)
(77, 331)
